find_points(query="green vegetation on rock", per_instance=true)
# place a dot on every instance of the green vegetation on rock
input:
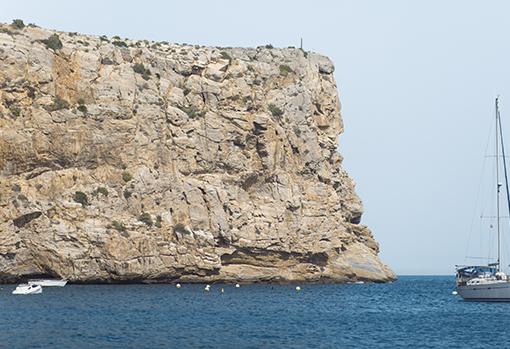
(102, 191)
(126, 176)
(225, 55)
(139, 68)
(193, 112)
(146, 218)
(18, 24)
(58, 104)
(81, 105)
(119, 43)
(53, 42)
(81, 198)
(275, 111)
(118, 226)
(158, 221)
(15, 110)
(285, 70)
(179, 228)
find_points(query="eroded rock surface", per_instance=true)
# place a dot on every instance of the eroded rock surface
(130, 160)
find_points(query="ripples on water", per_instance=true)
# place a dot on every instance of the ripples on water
(412, 312)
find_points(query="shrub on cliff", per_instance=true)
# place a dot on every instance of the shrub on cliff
(193, 112)
(81, 106)
(81, 198)
(58, 104)
(275, 111)
(118, 226)
(146, 218)
(158, 221)
(101, 190)
(15, 110)
(139, 68)
(18, 24)
(107, 61)
(126, 176)
(285, 70)
(53, 42)
(180, 228)
(119, 43)
(31, 92)
(225, 55)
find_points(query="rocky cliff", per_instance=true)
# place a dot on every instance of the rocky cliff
(126, 160)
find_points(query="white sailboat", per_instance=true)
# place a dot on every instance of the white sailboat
(489, 282)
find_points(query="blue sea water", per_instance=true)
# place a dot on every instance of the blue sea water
(413, 312)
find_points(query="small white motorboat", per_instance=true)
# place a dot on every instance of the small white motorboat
(27, 289)
(48, 282)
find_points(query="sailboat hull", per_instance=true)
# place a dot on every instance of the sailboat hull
(494, 292)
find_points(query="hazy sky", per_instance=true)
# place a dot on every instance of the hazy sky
(417, 81)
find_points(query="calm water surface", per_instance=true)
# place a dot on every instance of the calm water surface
(412, 312)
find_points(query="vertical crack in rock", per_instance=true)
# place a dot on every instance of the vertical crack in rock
(128, 161)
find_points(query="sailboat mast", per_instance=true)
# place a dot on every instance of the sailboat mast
(504, 162)
(497, 183)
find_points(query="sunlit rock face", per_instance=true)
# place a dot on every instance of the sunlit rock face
(127, 161)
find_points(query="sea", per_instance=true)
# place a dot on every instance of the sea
(413, 312)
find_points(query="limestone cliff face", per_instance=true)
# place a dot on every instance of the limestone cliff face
(130, 160)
